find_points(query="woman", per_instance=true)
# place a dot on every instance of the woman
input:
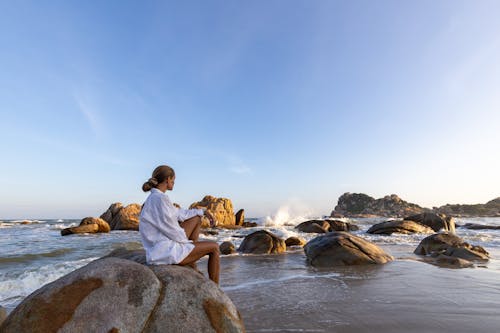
(170, 234)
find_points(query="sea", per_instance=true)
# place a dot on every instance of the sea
(282, 293)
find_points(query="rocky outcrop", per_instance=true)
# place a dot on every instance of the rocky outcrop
(227, 248)
(356, 204)
(399, 227)
(324, 226)
(489, 209)
(119, 295)
(448, 244)
(262, 242)
(343, 249)
(127, 218)
(240, 217)
(435, 221)
(88, 225)
(221, 209)
(295, 241)
(476, 226)
(111, 212)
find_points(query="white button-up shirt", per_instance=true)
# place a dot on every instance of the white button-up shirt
(163, 239)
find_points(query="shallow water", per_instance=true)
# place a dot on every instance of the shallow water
(281, 293)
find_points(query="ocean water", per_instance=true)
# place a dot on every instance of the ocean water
(281, 293)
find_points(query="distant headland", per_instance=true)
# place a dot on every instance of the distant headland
(362, 205)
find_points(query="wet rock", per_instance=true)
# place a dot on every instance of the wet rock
(262, 242)
(336, 225)
(127, 218)
(314, 226)
(119, 295)
(3, 315)
(450, 245)
(138, 255)
(227, 248)
(476, 226)
(82, 229)
(435, 221)
(399, 227)
(451, 262)
(220, 208)
(295, 241)
(102, 224)
(343, 249)
(112, 211)
(250, 224)
(240, 217)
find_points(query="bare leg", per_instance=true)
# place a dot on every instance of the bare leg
(192, 228)
(200, 250)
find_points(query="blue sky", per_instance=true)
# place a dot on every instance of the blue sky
(269, 103)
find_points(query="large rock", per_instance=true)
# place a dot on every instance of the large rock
(343, 249)
(240, 217)
(107, 295)
(102, 224)
(359, 204)
(337, 225)
(295, 241)
(399, 227)
(451, 245)
(127, 218)
(435, 221)
(3, 315)
(262, 242)
(112, 211)
(82, 229)
(477, 226)
(117, 295)
(227, 248)
(314, 226)
(221, 209)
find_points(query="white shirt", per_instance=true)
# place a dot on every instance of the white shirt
(163, 239)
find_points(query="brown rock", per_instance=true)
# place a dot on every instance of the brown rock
(314, 226)
(127, 218)
(3, 315)
(103, 225)
(451, 262)
(295, 241)
(227, 248)
(343, 249)
(336, 225)
(221, 209)
(450, 245)
(399, 227)
(262, 242)
(435, 221)
(476, 226)
(240, 217)
(82, 229)
(250, 224)
(111, 212)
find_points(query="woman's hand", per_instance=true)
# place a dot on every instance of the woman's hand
(210, 218)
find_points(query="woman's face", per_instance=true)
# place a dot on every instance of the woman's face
(170, 183)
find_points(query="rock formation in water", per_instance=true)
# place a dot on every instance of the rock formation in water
(262, 242)
(399, 227)
(119, 295)
(221, 209)
(359, 204)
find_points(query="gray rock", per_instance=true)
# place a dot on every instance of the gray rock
(262, 242)
(314, 226)
(476, 226)
(435, 221)
(336, 225)
(399, 227)
(105, 295)
(343, 249)
(450, 245)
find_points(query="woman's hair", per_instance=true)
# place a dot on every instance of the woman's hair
(160, 174)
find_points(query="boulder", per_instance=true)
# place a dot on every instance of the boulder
(221, 209)
(435, 221)
(227, 248)
(250, 224)
(399, 227)
(451, 262)
(127, 218)
(82, 229)
(337, 225)
(240, 217)
(102, 224)
(314, 226)
(295, 241)
(450, 245)
(118, 295)
(262, 242)
(343, 249)
(476, 226)
(111, 212)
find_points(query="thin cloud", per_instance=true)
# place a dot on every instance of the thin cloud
(89, 112)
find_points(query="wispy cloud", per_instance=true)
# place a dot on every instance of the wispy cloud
(89, 112)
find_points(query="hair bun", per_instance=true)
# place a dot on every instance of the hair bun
(153, 181)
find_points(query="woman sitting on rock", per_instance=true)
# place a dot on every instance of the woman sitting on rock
(170, 234)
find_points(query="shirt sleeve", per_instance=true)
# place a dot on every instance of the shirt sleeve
(186, 214)
(168, 224)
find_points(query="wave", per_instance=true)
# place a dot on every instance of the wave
(35, 256)
(289, 214)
